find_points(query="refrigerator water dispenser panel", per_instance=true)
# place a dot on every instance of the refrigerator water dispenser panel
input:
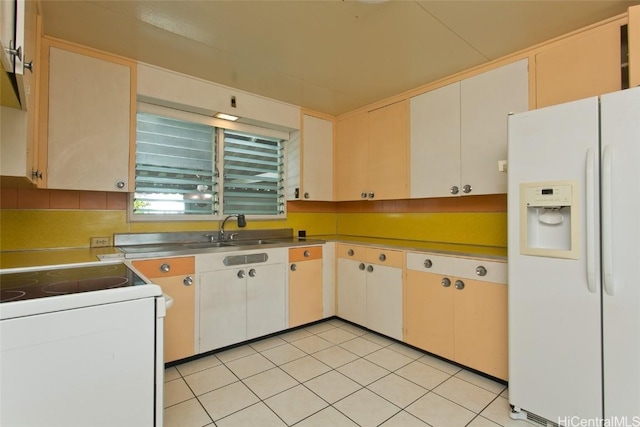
(549, 219)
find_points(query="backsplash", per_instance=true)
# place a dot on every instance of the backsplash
(43, 219)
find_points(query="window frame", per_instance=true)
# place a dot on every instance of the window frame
(219, 126)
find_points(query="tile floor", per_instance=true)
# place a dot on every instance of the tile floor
(330, 374)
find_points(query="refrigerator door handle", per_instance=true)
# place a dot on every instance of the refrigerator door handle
(607, 255)
(590, 217)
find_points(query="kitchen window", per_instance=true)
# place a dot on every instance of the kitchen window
(194, 167)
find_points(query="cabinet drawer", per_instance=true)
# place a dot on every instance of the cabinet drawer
(482, 270)
(386, 257)
(305, 254)
(354, 252)
(430, 263)
(153, 268)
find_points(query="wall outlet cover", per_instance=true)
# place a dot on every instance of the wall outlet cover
(100, 242)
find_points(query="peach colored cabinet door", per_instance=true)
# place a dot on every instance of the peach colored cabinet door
(178, 283)
(351, 166)
(480, 323)
(388, 164)
(585, 65)
(305, 292)
(429, 321)
(89, 112)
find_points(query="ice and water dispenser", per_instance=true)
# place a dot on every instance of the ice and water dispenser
(549, 219)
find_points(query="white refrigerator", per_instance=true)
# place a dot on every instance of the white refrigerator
(574, 262)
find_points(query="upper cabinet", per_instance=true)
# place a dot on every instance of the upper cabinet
(372, 154)
(17, 47)
(633, 40)
(459, 133)
(584, 65)
(87, 122)
(310, 157)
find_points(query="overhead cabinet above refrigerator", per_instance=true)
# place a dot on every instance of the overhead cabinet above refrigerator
(574, 247)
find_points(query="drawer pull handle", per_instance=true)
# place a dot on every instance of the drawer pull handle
(481, 270)
(428, 263)
(165, 268)
(382, 257)
(350, 252)
(307, 254)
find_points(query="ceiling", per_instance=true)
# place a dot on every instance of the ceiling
(330, 56)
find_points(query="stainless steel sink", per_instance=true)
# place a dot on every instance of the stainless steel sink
(250, 242)
(204, 245)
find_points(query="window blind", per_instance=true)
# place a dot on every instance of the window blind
(253, 174)
(175, 166)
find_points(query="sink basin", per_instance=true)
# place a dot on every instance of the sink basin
(249, 242)
(207, 245)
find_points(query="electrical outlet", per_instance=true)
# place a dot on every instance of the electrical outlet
(100, 242)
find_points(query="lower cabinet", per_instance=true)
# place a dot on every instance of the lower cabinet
(305, 285)
(175, 277)
(370, 288)
(241, 296)
(457, 308)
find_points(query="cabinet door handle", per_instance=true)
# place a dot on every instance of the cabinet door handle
(370, 268)
(382, 257)
(362, 266)
(454, 189)
(188, 281)
(252, 273)
(165, 268)
(120, 185)
(481, 270)
(294, 267)
(446, 282)
(363, 195)
(467, 189)
(459, 285)
(241, 274)
(306, 254)
(306, 195)
(428, 263)
(372, 195)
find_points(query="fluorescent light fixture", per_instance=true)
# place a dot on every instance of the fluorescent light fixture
(224, 116)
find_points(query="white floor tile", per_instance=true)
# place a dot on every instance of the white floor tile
(283, 354)
(403, 419)
(295, 404)
(210, 379)
(482, 422)
(505, 393)
(335, 356)
(250, 365)
(267, 343)
(360, 346)
(381, 341)
(171, 374)
(253, 416)
(498, 412)
(406, 351)
(269, 383)
(399, 391)
(186, 414)
(423, 375)
(480, 381)
(336, 335)
(328, 417)
(227, 400)
(465, 394)
(440, 412)
(440, 364)
(332, 386)
(176, 391)
(198, 365)
(319, 327)
(235, 353)
(355, 330)
(366, 408)
(362, 371)
(388, 359)
(295, 335)
(312, 344)
(305, 368)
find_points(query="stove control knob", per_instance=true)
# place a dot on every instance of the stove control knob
(165, 268)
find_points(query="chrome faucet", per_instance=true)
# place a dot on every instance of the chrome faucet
(242, 222)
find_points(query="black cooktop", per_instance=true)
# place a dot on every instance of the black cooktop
(63, 281)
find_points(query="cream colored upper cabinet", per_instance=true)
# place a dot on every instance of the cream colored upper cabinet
(459, 133)
(584, 65)
(372, 154)
(487, 100)
(90, 119)
(316, 162)
(435, 142)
